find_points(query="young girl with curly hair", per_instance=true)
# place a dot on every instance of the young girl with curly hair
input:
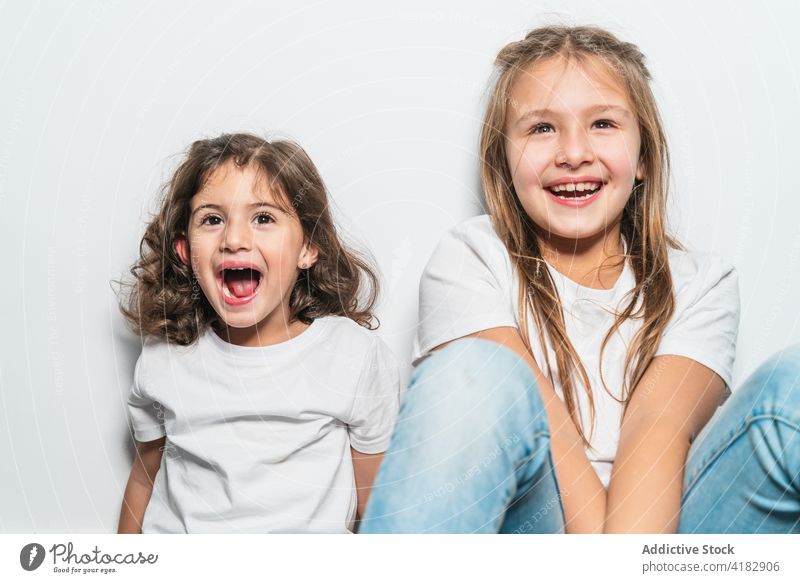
(261, 401)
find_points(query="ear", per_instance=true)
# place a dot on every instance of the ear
(182, 248)
(308, 256)
(640, 171)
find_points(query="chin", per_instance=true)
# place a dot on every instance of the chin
(579, 231)
(239, 325)
(242, 321)
(577, 235)
(563, 233)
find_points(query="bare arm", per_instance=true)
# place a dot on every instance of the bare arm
(583, 495)
(365, 467)
(673, 401)
(140, 485)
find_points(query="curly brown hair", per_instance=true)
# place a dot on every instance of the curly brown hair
(164, 299)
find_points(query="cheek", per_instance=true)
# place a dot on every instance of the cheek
(627, 156)
(200, 248)
(281, 253)
(528, 165)
(513, 154)
(525, 165)
(629, 161)
(522, 161)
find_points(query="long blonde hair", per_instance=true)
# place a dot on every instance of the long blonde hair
(643, 222)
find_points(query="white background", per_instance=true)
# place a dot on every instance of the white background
(97, 99)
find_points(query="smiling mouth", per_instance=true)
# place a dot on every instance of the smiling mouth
(575, 191)
(239, 284)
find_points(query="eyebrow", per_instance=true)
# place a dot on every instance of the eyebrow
(594, 109)
(216, 207)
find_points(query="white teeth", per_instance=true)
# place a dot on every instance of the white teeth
(573, 186)
(584, 197)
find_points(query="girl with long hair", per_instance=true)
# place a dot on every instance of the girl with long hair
(570, 351)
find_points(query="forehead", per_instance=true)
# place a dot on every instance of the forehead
(567, 85)
(230, 184)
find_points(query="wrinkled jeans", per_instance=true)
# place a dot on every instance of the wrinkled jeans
(471, 452)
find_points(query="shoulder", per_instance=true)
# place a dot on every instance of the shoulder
(350, 337)
(349, 346)
(696, 273)
(343, 330)
(704, 327)
(690, 264)
(471, 245)
(467, 286)
(478, 225)
(478, 234)
(159, 357)
(158, 348)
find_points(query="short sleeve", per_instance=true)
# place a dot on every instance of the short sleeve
(145, 414)
(465, 287)
(376, 402)
(706, 323)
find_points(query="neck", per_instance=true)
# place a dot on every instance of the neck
(263, 334)
(594, 262)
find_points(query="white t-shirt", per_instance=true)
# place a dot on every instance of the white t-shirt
(469, 285)
(258, 439)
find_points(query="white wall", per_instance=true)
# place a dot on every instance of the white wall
(96, 98)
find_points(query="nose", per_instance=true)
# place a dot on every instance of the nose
(237, 236)
(575, 149)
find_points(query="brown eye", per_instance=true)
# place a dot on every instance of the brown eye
(264, 219)
(604, 124)
(211, 220)
(542, 128)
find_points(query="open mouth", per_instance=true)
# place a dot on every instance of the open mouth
(239, 284)
(575, 191)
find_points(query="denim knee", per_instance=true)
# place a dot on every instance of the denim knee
(776, 382)
(477, 378)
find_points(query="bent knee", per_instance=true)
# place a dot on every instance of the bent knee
(472, 371)
(777, 380)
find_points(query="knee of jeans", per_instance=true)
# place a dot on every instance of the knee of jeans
(778, 379)
(479, 375)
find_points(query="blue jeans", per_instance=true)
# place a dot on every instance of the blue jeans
(471, 452)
